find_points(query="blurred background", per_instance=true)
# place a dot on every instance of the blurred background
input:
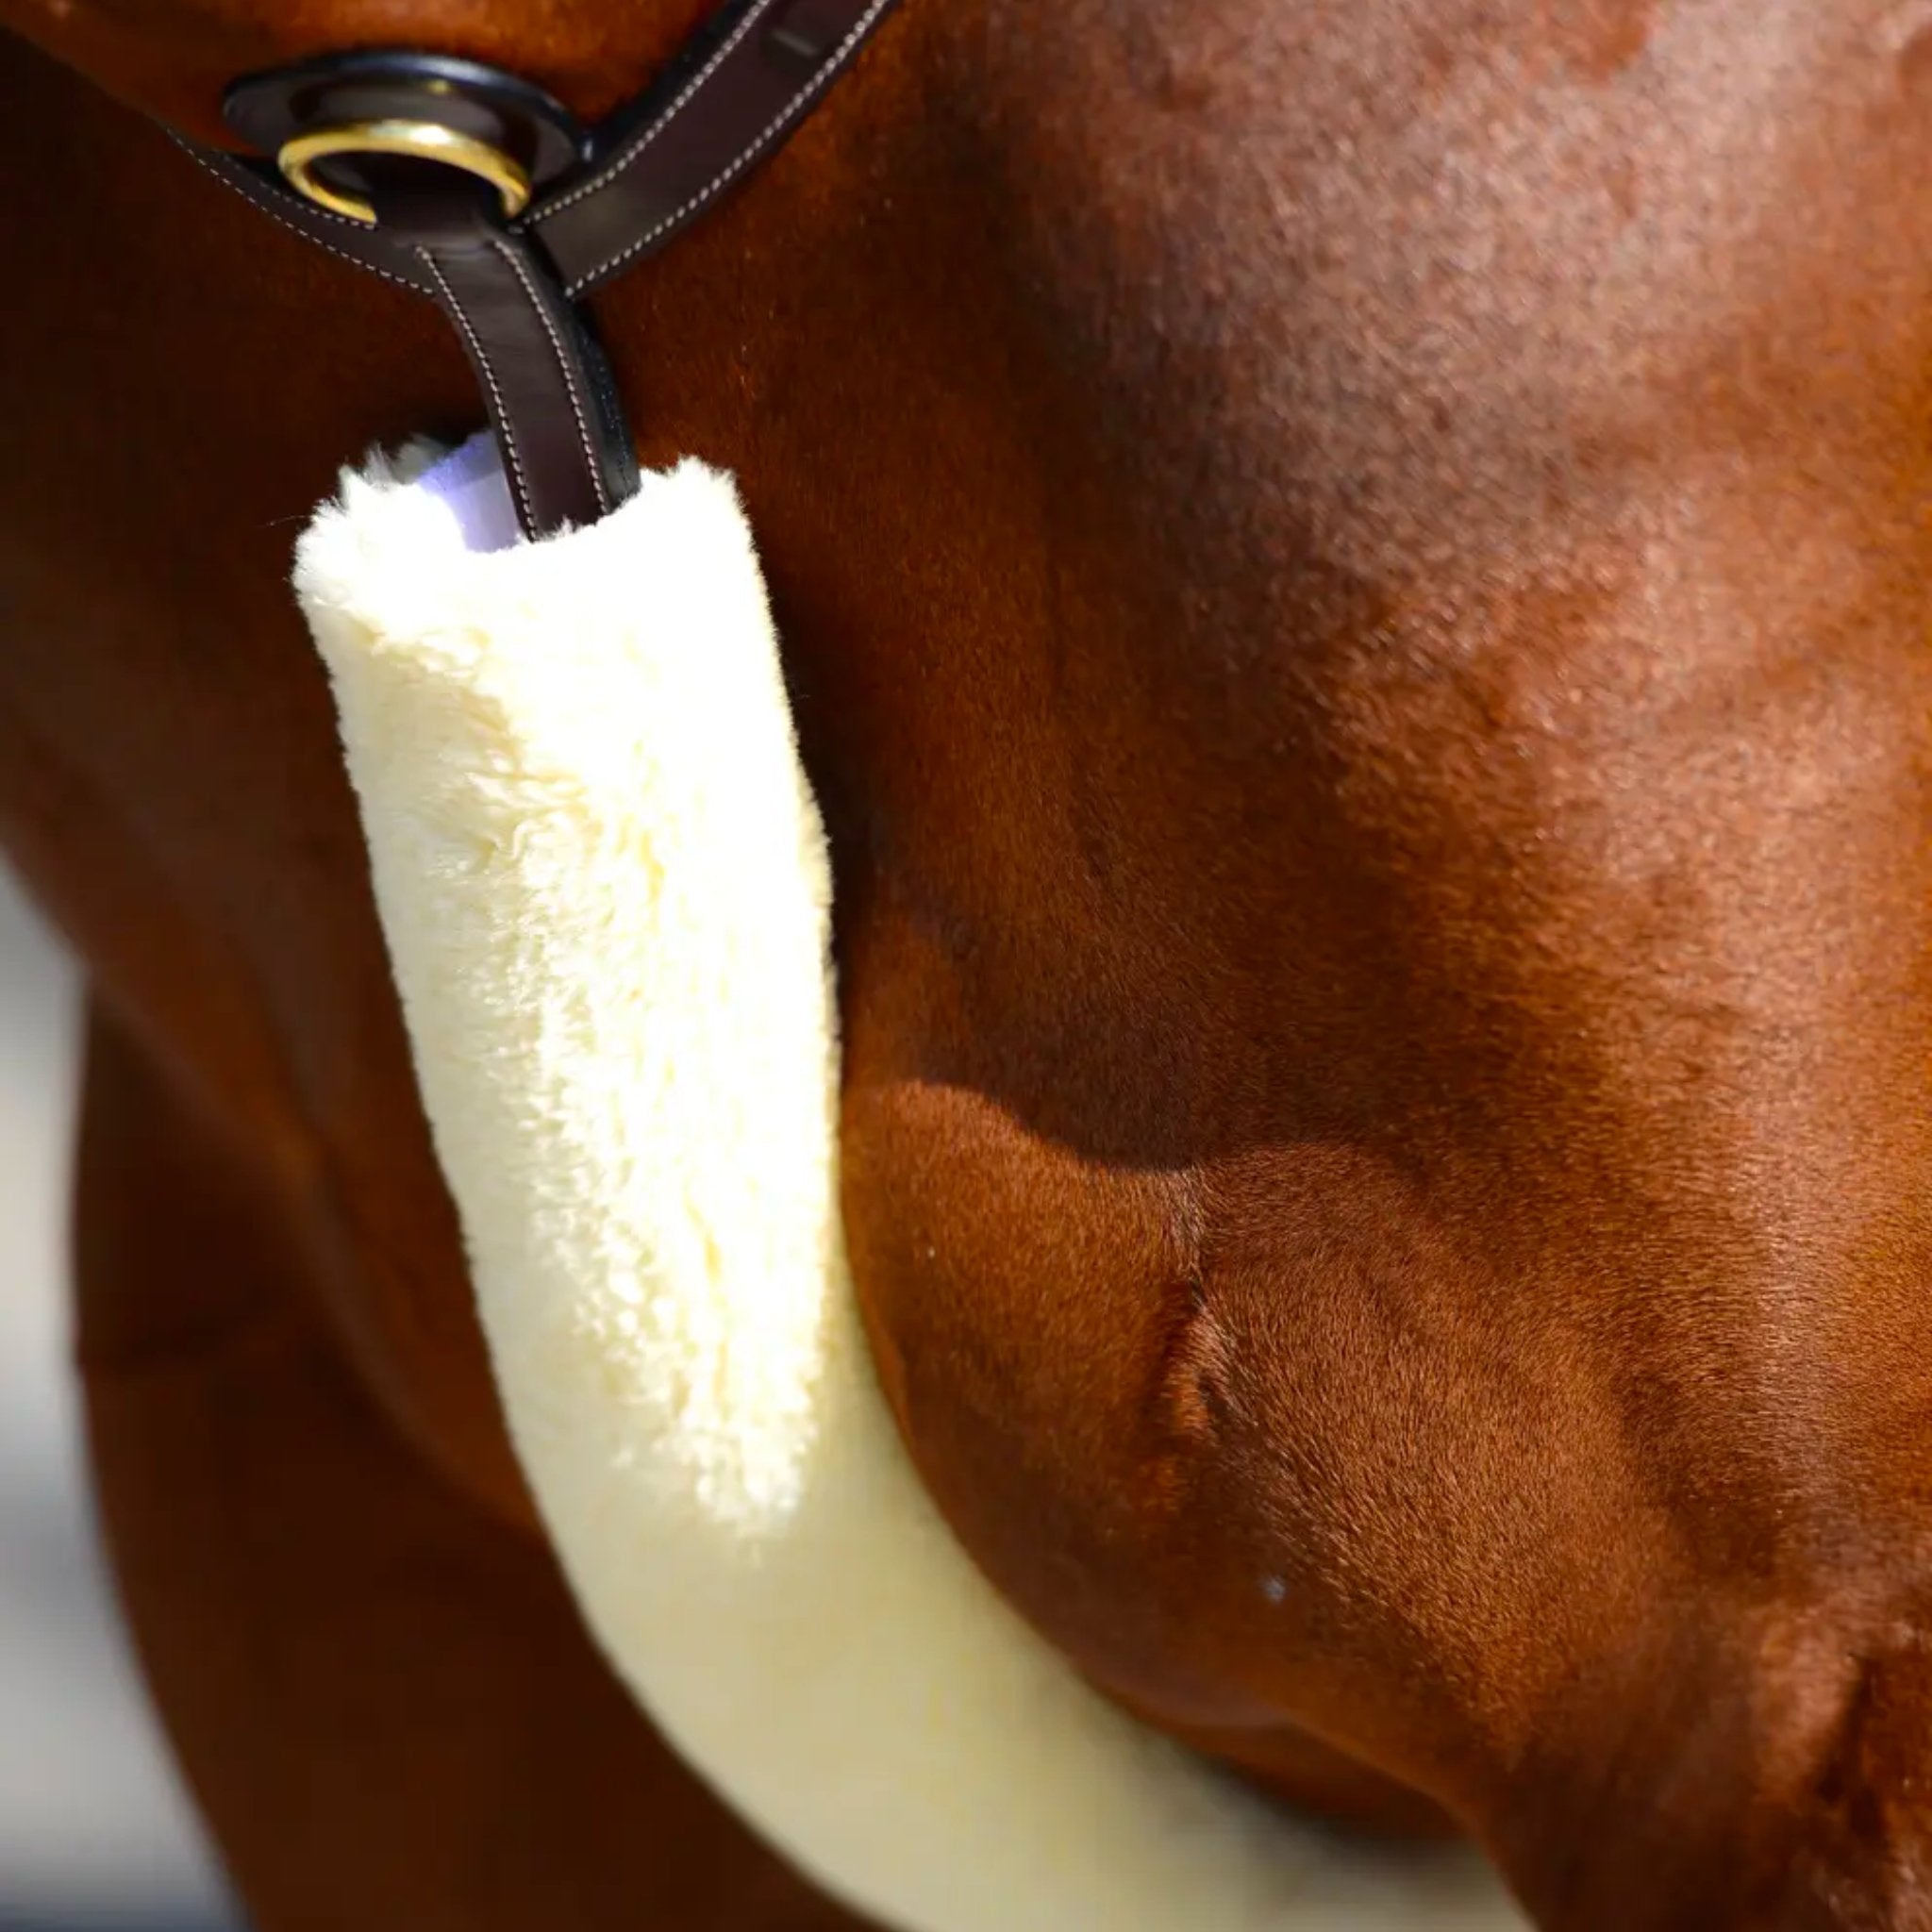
(95, 1835)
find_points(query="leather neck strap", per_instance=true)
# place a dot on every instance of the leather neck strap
(511, 286)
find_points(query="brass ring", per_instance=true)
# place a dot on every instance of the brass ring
(425, 141)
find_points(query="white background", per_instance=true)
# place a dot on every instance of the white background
(94, 1834)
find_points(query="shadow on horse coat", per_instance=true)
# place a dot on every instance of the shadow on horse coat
(1354, 585)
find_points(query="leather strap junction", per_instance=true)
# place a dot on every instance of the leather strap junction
(483, 194)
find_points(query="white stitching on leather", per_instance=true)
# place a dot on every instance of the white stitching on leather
(746, 156)
(563, 363)
(265, 202)
(698, 81)
(501, 414)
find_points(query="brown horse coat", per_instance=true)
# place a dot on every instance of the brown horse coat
(1353, 584)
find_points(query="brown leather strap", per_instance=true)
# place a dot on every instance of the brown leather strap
(746, 79)
(566, 453)
(654, 178)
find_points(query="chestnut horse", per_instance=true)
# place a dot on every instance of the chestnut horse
(1353, 576)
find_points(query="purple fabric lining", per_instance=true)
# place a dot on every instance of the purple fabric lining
(470, 481)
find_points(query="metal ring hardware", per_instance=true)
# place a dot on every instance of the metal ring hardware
(424, 140)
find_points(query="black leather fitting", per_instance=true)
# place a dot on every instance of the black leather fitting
(742, 82)
(537, 132)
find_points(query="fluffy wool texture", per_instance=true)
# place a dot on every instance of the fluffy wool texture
(604, 889)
